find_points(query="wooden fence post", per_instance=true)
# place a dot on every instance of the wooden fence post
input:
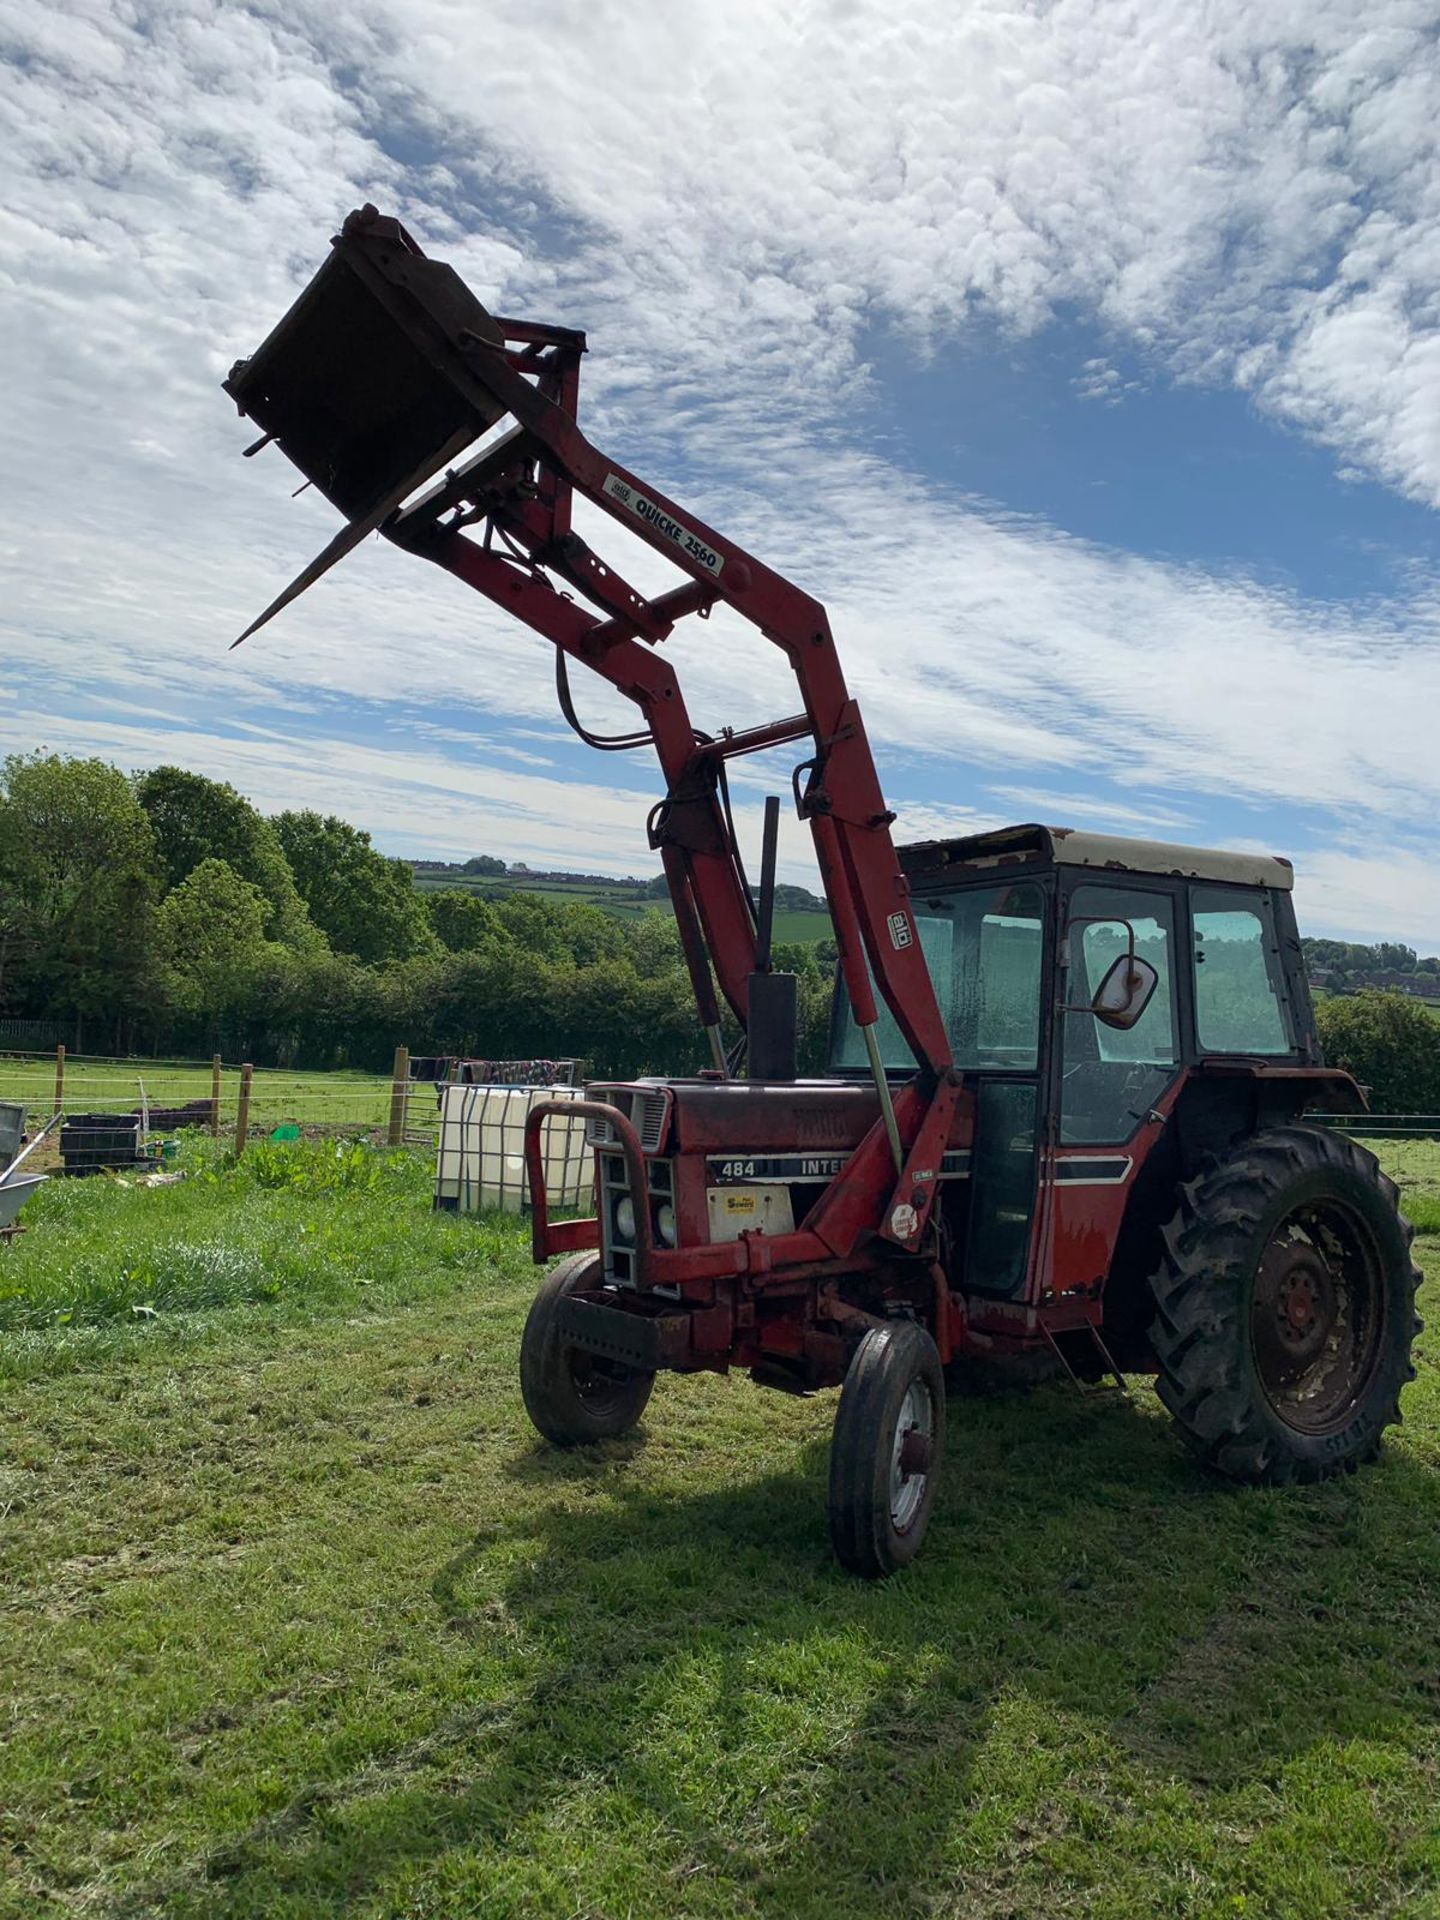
(59, 1078)
(242, 1112)
(399, 1096)
(215, 1094)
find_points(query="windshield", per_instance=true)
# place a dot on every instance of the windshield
(984, 947)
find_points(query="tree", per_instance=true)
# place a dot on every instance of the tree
(464, 922)
(196, 819)
(1394, 957)
(1391, 1045)
(318, 1009)
(486, 864)
(654, 943)
(78, 881)
(561, 929)
(365, 904)
(211, 936)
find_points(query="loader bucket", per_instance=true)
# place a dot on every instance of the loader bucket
(374, 379)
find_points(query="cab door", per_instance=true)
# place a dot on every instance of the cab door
(997, 991)
(989, 947)
(1106, 1082)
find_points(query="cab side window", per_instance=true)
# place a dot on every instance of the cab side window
(1239, 1005)
(1111, 1079)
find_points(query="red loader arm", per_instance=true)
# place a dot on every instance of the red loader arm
(384, 371)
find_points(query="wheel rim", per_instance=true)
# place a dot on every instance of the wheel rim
(1317, 1316)
(912, 1455)
(598, 1383)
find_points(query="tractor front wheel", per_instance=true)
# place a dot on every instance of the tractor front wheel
(885, 1456)
(1285, 1308)
(572, 1396)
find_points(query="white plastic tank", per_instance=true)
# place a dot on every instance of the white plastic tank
(482, 1150)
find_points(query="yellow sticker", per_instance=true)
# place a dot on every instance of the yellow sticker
(740, 1203)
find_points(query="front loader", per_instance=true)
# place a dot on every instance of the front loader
(1064, 1118)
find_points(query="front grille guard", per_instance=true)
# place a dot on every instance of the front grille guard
(570, 1235)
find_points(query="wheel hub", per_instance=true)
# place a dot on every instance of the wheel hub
(1316, 1316)
(1304, 1300)
(912, 1455)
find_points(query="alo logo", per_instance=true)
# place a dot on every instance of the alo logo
(901, 931)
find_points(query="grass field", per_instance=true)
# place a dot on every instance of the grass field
(625, 903)
(617, 898)
(107, 1086)
(299, 1618)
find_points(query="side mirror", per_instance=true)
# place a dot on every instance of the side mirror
(1125, 992)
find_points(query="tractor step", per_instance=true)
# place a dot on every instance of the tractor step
(635, 1338)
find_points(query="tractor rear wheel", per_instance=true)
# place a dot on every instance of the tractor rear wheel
(1286, 1308)
(572, 1396)
(885, 1456)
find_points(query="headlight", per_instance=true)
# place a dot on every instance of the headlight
(625, 1218)
(665, 1224)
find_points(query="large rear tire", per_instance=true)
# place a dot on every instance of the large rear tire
(1285, 1308)
(574, 1397)
(885, 1456)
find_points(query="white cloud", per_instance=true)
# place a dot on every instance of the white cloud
(731, 198)
(1392, 891)
(1141, 815)
(1251, 193)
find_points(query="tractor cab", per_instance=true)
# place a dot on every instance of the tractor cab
(1090, 985)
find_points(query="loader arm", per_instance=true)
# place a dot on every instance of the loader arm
(383, 371)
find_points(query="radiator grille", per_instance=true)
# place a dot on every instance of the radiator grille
(646, 1108)
(648, 1114)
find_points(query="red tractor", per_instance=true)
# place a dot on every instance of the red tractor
(1064, 1117)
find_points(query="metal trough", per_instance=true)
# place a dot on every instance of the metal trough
(15, 1192)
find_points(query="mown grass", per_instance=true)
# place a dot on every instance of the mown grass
(299, 1619)
(1415, 1166)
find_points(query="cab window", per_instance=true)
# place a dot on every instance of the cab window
(1239, 1004)
(984, 947)
(1110, 1079)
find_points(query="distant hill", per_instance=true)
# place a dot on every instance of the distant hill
(1344, 966)
(799, 913)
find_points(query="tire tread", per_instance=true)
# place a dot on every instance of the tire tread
(1201, 1297)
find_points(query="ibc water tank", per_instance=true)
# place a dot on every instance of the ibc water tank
(481, 1161)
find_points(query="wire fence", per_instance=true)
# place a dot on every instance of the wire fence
(169, 1095)
(150, 1099)
(1382, 1126)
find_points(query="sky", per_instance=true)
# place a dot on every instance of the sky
(1082, 357)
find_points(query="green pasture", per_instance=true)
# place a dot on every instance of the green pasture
(591, 893)
(308, 1099)
(300, 1619)
(625, 903)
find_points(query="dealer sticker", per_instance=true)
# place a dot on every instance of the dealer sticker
(900, 931)
(656, 518)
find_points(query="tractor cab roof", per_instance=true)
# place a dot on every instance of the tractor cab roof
(1036, 846)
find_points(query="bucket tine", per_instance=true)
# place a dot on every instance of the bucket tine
(350, 536)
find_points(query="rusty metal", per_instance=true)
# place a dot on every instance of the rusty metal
(1318, 1314)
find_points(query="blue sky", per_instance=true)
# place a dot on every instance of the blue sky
(1086, 363)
